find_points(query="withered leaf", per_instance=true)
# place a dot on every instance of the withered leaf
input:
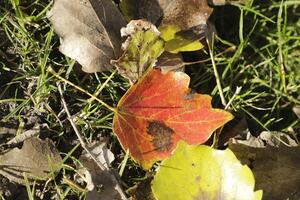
(96, 177)
(276, 169)
(168, 11)
(185, 14)
(275, 139)
(90, 31)
(170, 62)
(36, 159)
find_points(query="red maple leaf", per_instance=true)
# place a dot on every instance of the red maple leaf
(158, 111)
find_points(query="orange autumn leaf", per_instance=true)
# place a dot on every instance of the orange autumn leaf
(158, 111)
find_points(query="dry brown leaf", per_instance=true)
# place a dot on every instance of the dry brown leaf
(90, 31)
(276, 169)
(275, 139)
(186, 14)
(170, 62)
(96, 177)
(36, 159)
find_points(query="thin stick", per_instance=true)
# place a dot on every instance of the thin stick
(82, 143)
(237, 92)
(76, 129)
(210, 46)
(82, 90)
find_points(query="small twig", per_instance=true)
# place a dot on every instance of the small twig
(237, 92)
(26, 135)
(35, 131)
(210, 46)
(82, 143)
(76, 129)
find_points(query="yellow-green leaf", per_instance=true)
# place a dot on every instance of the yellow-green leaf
(203, 173)
(176, 43)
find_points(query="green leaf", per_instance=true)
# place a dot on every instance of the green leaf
(201, 172)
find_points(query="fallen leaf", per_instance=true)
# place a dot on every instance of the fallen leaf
(151, 10)
(276, 169)
(97, 178)
(203, 173)
(181, 22)
(170, 62)
(90, 31)
(140, 50)
(158, 111)
(36, 159)
(177, 41)
(237, 128)
(275, 139)
(185, 14)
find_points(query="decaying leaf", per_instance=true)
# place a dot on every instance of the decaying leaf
(141, 49)
(90, 31)
(237, 128)
(170, 62)
(97, 178)
(159, 111)
(151, 10)
(36, 159)
(276, 169)
(203, 173)
(185, 14)
(181, 22)
(275, 139)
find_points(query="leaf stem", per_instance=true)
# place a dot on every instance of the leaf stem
(82, 90)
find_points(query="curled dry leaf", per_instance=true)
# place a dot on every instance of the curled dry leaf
(203, 173)
(158, 111)
(36, 159)
(90, 31)
(140, 50)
